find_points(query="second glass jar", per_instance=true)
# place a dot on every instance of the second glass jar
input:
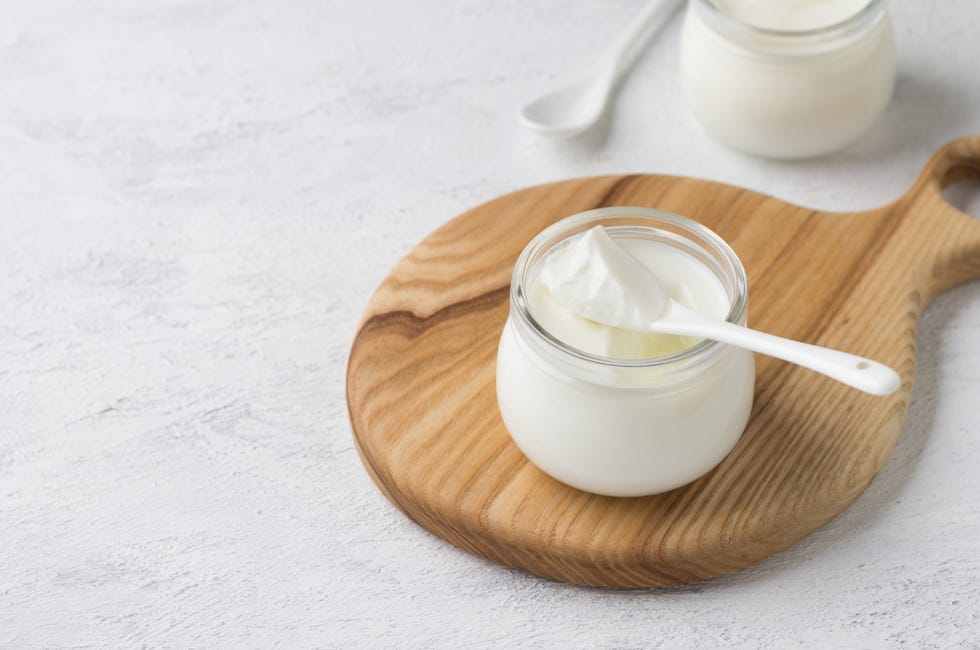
(787, 94)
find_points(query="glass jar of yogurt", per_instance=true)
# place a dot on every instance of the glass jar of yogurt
(616, 412)
(787, 78)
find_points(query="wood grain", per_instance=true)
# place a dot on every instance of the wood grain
(420, 382)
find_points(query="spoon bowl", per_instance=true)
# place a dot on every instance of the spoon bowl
(568, 111)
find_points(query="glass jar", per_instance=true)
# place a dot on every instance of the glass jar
(624, 427)
(787, 94)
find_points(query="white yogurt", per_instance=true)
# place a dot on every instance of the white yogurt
(600, 281)
(615, 411)
(791, 15)
(787, 78)
(590, 280)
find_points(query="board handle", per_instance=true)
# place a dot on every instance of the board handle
(936, 229)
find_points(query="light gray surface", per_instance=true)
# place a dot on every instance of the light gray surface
(197, 198)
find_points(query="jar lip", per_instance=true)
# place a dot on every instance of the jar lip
(696, 353)
(842, 28)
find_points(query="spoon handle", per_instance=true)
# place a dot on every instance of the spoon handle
(619, 54)
(858, 372)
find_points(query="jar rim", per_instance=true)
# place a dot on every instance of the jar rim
(853, 24)
(701, 351)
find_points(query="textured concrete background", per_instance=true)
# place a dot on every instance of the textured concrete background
(198, 197)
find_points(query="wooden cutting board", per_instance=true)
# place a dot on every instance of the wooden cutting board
(420, 379)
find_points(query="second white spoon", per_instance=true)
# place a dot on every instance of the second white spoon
(568, 111)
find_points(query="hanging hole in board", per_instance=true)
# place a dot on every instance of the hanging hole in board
(961, 188)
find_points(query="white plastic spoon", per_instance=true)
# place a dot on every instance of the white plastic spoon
(568, 111)
(600, 281)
